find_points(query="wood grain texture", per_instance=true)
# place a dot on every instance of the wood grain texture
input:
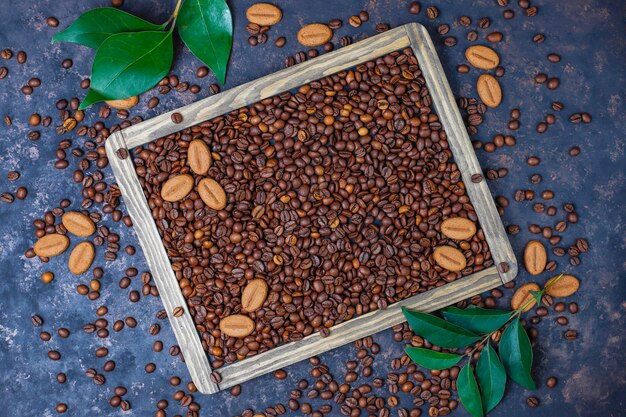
(196, 359)
(462, 149)
(160, 266)
(357, 328)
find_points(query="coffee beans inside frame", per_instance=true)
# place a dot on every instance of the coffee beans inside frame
(334, 196)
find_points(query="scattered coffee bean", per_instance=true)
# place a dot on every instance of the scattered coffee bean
(532, 402)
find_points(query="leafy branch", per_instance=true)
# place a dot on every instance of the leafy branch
(133, 55)
(481, 385)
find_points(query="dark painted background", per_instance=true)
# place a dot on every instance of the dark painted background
(588, 34)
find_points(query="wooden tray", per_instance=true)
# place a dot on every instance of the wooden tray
(411, 35)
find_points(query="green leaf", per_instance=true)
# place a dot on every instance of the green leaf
(93, 27)
(432, 360)
(468, 392)
(127, 64)
(517, 354)
(476, 319)
(206, 27)
(537, 295)
(491, 378)
(439, 331)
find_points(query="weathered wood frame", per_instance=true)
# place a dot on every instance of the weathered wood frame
(411, 35)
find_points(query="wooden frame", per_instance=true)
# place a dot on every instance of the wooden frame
(413, 35)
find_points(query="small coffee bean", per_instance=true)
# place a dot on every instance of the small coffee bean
(532, 402)
(36, 320)
(551, 382)
(21, 193)
(432, 12)
(21, 57)
(539, 38)
(533, 161)
(280, 42)
(108, 366)
(570, 335)
(554, 58)
(415, 7)
(177, 117)
(216, 378)
(47, 277)
(52, 22)
(354, 21)
(553, 83)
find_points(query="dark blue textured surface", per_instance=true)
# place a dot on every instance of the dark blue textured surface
(588, 34)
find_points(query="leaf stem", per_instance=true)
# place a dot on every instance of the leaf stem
(515, 313)
(172, 18)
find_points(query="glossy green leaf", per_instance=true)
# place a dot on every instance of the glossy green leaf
(491, 378)
(127, 64)
(206, 27)
(94, 26)
(468, 392)
(517, 354)
(432, 360)
(439, 331)
(478, 320)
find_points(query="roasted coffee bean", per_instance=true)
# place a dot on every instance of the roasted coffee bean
(7, 197)
(382, 27)
(99, 379)
(216, 377)
(130, 322)
(354, 21)
(551, 382)
(532, 402)
(432, 12)
(177, 117)
(553, 83)
(36, 320)
(415, 7)
(280, 42)
(570, 335)
(108, 366)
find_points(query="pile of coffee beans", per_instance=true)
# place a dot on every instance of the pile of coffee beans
(335, 198)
